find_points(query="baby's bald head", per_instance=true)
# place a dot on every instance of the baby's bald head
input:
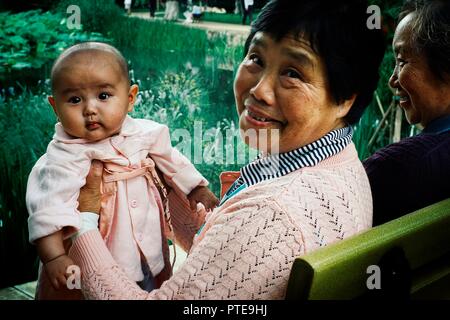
(86, 48)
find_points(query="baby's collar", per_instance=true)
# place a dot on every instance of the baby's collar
(129, 128)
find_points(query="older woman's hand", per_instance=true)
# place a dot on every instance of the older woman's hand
(90, 197)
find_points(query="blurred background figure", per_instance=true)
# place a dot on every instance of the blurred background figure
(247, 10)
(172, 10)
(197, 12)
(188, 12)
(152, 8)
(238, 7)
(127, 5)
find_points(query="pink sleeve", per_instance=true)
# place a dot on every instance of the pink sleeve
(52, 191)
(247, 253)
(176, 168)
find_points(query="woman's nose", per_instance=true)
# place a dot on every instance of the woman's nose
(264, 90)
(393, 80)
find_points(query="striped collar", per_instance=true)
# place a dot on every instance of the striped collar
(277, 165)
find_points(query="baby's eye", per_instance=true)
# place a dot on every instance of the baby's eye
(104, 96)
(74, 100)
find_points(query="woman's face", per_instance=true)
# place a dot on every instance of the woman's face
(422, 96)
(283, 85)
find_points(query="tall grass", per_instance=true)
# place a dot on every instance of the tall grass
(223, 17)
(26, 124)
(108, 19)
(31, 40)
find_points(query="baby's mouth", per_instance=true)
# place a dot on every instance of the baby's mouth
(92, 125)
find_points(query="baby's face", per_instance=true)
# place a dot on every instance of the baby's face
(91, 95)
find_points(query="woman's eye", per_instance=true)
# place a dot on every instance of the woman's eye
(255, 59)
(400, 62)
(74, 100)
(293, 74)
(104, 96)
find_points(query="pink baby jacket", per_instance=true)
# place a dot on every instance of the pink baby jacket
(130, 223)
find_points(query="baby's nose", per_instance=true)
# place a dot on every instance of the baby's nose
(90, 107)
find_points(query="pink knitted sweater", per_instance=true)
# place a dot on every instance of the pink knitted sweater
(250, 241)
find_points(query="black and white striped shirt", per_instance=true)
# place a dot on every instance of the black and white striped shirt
(277, 165)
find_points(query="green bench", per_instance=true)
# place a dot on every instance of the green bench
(405, 258)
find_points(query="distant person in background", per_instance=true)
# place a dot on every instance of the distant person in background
(152, 8)
(196, 12)
(127, 5)
(247, 10)
(172, 10)
(237, 7)
(415, 172)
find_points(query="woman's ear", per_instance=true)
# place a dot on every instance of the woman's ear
(132, 94)
(52, 102)
(345, 106)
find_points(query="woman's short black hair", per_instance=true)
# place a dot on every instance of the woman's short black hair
(339, 33)
(430, 33)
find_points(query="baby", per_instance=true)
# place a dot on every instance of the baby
(91, 96)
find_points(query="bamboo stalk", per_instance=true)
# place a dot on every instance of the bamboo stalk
(380, 106)
(380, 125)
(397, 125)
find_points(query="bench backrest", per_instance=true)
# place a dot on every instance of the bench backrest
(409, 253)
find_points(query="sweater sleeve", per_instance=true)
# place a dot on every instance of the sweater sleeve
(177, 169)
(247, 253)
(52, 191)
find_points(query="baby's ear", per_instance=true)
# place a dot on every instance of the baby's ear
(132, 94)
(52, 102)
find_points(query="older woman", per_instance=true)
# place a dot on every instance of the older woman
(310, 69)
(415, 172)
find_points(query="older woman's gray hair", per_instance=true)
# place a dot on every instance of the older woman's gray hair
(430, 33)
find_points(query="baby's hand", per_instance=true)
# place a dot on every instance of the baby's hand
(202, 195)
(56, 271)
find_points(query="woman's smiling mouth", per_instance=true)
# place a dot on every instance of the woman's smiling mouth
(253, 116)
(403, 99)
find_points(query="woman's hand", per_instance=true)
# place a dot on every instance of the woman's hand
(202, 195)
(89, 199)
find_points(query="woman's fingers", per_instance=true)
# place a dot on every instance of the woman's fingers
(95, 172)
(90, 199)
(193, 204)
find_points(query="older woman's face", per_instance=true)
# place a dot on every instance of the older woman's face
(282, 85)
(422, 96)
